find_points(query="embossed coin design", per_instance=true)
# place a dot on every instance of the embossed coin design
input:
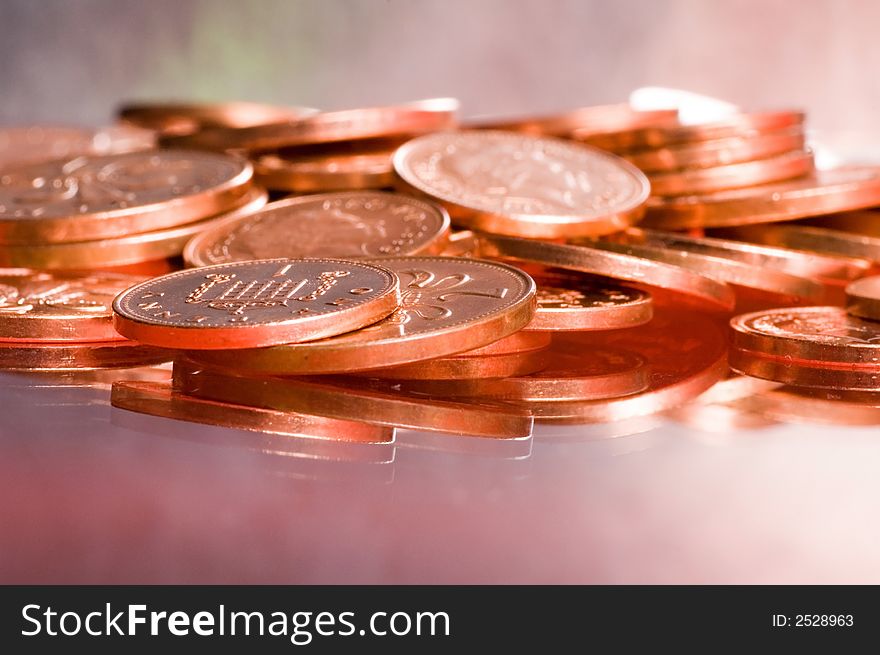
(863, 298)
(521, 185)
(448, 306)
(38, 306)
(571, 304)
(254, 304)
(813, 336)
(823, 192)
(95, 197)
(347, 224)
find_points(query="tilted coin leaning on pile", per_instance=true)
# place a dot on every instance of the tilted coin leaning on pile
(338, 275)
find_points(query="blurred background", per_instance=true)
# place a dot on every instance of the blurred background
(75, 61)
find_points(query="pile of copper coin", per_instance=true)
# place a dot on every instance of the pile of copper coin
(341, 274)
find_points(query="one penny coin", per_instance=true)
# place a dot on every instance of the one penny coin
(254, 304)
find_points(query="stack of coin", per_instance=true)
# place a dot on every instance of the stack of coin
(55, 322)
(742, 150)
(562, 296)
(98, 212)
(295, 151)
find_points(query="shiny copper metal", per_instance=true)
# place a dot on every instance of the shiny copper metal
(349, 224)
(28, 356)
(802, 263)
(813, 336)
(569, 373)
(156, 246)
(573, 304)
(518, 342)
(327, 127)
(159, 399)
(186, 118)
(823, 192)
(721, 268)
(855, 236)
(673, 132)
(462, 243)
(585, 120)
(521, 185)
(448, 306)
(692, 181)
(326, 172)
(41, 306)
(255, 304)
(355, 400)
(863, 298)
(88, 198)
(32, 144)
(461, 368)
(717, 152)
(606, 262)
(817, 374)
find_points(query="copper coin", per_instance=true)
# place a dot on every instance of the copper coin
(522, 185)
(254, 304)
(448, 306)
(462, 243)
(674, 132)
(570, 373)
(351, 224)
(186, 118)
(803, 263)
(817, 336)
(856, 236)
(93, 197)
(461, 368)
(600, 118)
(327, 127)
(717, 152)
(40, 306)
(863, 298)
(823, 192)
(610, 264)
(28, 356)
(732, 176)
(727, 270)
(685, 353)
(32, 144)
(354, 400)
(156, 246)
(159, 399)
(518, 342)
(319, 173)
(571, 304)
(805, 373)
